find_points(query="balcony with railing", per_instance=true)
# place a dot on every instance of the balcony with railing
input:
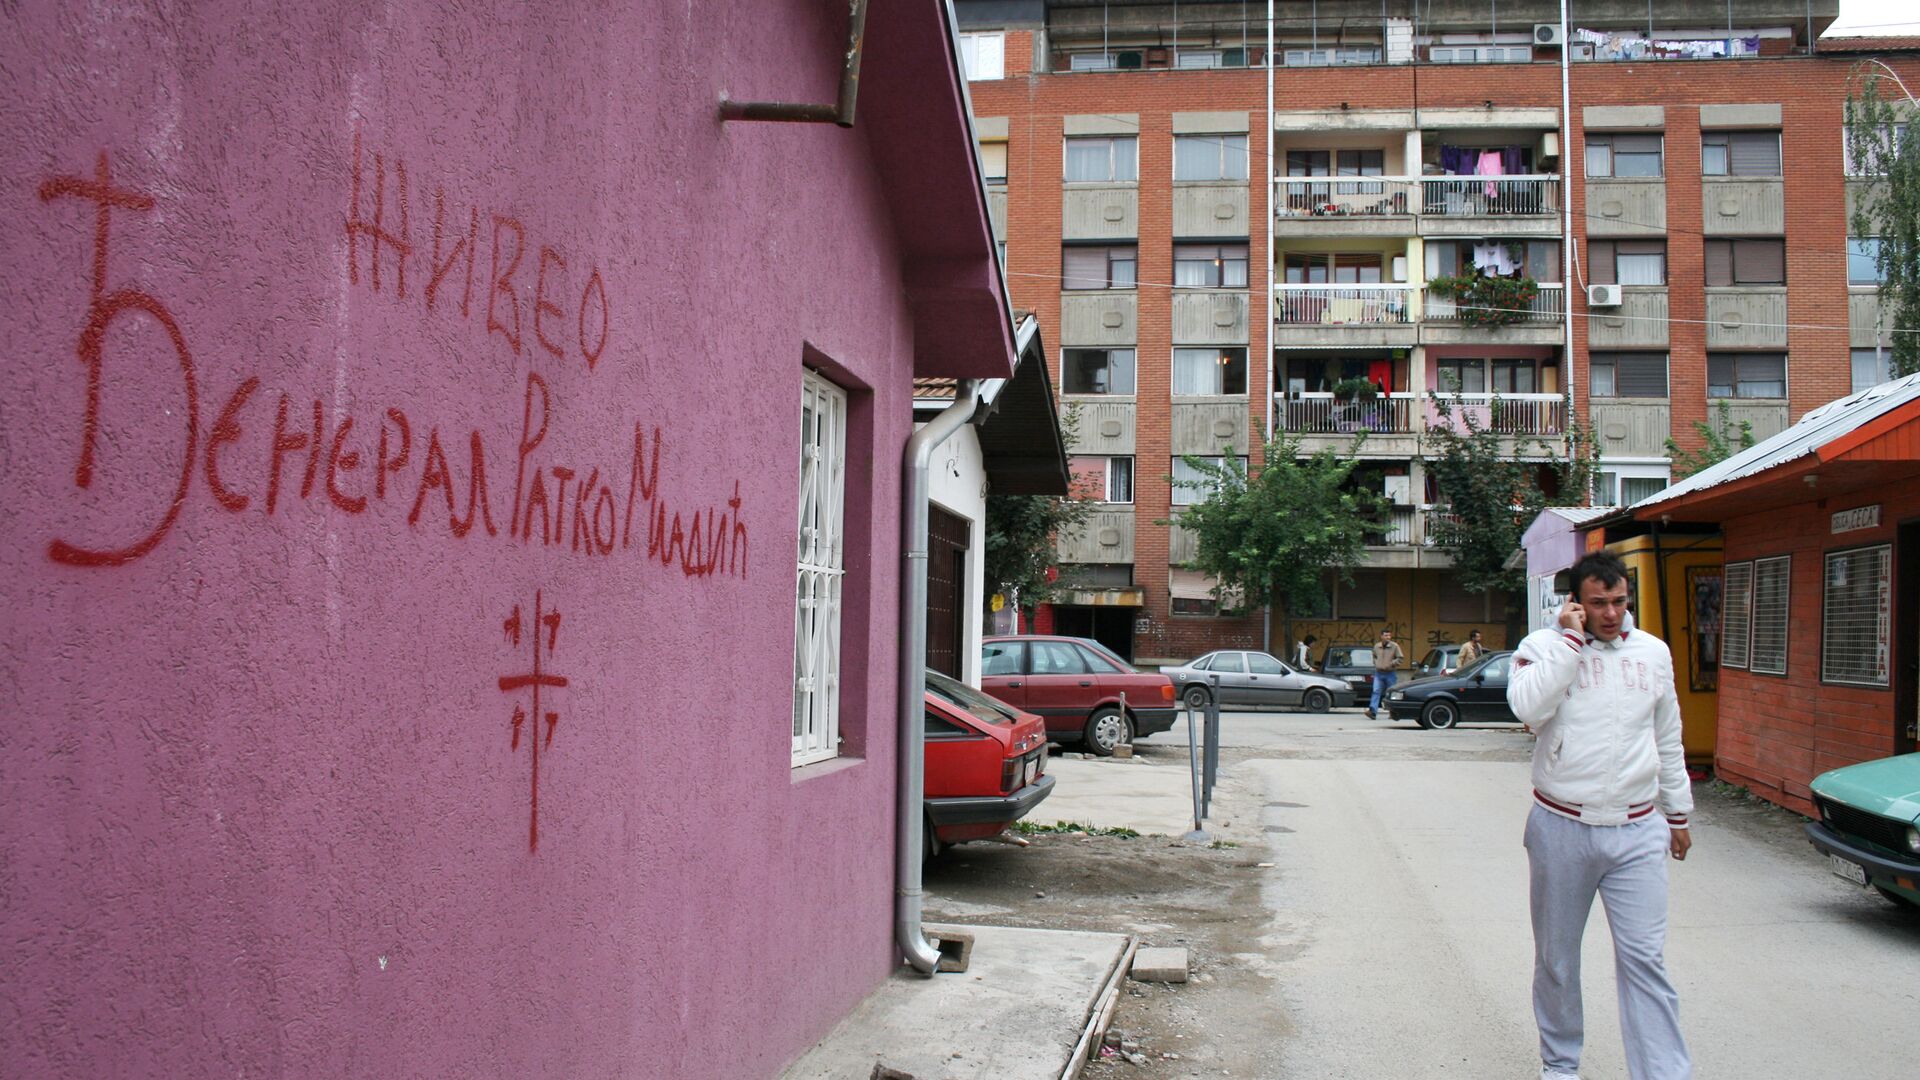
(1501, 197)
(1456, 320)
(1327, 414)
(1343, 314)
(1345, 206)
(1523, 415)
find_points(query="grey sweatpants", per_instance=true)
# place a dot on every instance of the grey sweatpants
(1627, 866)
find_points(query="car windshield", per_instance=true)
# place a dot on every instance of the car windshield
(967, 699)
(1478, 665)
(1349, 656)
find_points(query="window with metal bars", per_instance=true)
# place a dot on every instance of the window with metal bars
(1736, 623)
(1768, 649)
(821, 571)
(1856, 616)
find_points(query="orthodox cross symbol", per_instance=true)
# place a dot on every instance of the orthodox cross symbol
(530, 720)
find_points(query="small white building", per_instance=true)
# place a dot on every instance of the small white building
(1012, 446)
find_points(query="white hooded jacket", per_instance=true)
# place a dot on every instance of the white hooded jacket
(1607, 720)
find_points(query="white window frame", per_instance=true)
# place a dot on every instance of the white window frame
(984, 56)
(1736, 616)
(821, 571)
(1783, 563)
(1229, 155)
(1107, 478)
(1189, 496)
(1114, 155)
(1831, 637)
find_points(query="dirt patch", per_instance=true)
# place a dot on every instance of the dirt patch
(1165, 892)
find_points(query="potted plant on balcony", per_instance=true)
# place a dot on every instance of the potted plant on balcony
(1486, 300)
(1358, 396)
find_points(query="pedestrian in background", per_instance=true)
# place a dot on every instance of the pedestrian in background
(1610, 803)
(1303, 653)
(1387, 658)
(1471, 651)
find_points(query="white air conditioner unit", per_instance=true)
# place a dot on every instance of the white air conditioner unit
(1580, 50)
(1547, 33)
(1603, 296)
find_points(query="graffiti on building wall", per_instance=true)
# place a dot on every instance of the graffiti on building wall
(388, 460)
(537, 723)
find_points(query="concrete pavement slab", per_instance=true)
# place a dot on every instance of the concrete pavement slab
(1017, 1013)
(1150, 793)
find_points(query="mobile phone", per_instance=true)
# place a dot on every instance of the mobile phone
(1563, 583)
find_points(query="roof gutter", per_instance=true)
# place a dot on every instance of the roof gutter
(841, 112)
(910, 839)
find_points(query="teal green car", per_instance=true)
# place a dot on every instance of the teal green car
(1869, 827)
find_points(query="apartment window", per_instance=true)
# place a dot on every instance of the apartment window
(1628, 262)
(1746, 262)
(1096, 575)
(1871, 367)
(1102, 158)
(1855, 616)
(1109, 479)
(1622, 487)
(1209, 157)
(1210, 266)
(1099, 266)
(821, 570)
(1628, 375)
(1740, 153)
(1624, 155)
(983, 56)
(1513, 376)
(1455, 375)
(1190, 592)
(1185, 474)
(1892, 137)
(1863, 261)
(1097, 371)
(993, 161)
(1746, 375)
(1537, 259)
(1209, 371)
(1736, 616)
(1330, 57)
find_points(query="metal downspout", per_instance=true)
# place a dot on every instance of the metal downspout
(1566, 231)
(910, 811)
(841, 112)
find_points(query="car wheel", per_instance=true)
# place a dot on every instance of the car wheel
(1197, 696)
(1439, 714)
(1319, 701)
(1106, 729)
(1897, 899)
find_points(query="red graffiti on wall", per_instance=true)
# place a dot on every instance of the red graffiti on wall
(513, 258)
(311, 452)
(102, 308)
(533, 680)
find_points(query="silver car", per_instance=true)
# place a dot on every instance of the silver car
(1248, 680)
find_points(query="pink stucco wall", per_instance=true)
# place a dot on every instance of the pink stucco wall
(267, 811)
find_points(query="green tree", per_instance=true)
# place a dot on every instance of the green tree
(1492, 484)
(1268, 538)
(1022, 534)
(1883, 143)
(1719, 442)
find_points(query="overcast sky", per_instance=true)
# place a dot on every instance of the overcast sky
(1876, 17)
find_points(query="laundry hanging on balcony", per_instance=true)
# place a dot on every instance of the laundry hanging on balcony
(1493, 258)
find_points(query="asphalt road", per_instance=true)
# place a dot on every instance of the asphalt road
(1399, 943)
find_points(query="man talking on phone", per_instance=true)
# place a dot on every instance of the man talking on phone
(1610, 803)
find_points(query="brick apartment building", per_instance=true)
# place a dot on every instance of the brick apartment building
(1202, 276)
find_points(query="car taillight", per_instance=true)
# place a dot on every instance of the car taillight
(1166, 692)
(1009, 774)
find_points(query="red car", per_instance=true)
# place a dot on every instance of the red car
(1077, 687)
(986, 764)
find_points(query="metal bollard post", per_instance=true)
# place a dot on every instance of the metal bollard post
(1193, 765)
(1211, 764)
